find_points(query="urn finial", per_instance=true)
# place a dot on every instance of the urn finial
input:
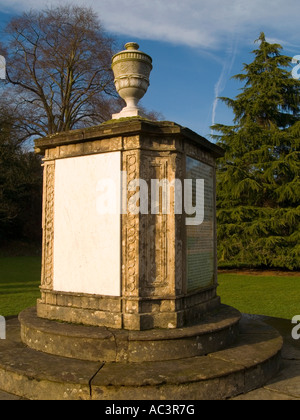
(132, 46)
(131, 69)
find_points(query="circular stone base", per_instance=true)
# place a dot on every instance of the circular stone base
(219, 330)
(247, 365)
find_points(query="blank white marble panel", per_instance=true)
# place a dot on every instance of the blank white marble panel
(87, 244)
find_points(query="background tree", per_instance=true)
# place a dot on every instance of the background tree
(20, 186)
(59, 62)
(59, 78)
(258, 192)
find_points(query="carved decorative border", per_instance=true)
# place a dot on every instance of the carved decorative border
(130, 266)
(158, 237)
(156, 243)
(48, 225)
(179, 232)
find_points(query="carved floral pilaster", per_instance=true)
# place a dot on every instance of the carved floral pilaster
(48, 226)
(130, 248)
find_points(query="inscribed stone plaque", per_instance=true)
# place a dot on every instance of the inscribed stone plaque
(200, 238)
(87, 256)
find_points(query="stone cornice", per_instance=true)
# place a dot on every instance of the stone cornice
(125, 128)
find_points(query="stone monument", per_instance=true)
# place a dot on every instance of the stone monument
(129, 265)
(121, 268)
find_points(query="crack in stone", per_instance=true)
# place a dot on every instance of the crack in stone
(93, 377)
(121, 341)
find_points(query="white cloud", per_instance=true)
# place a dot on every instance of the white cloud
(197, 23)
(213, 26)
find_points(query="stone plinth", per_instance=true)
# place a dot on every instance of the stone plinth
(250, 363)
(119, 273)
(126, 269)
(217, 331)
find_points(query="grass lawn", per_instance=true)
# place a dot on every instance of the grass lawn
(272, 295)
(20, 278)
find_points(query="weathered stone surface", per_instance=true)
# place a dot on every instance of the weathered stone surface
(218, 330)
(285, 385)
(253, 348)
(79, 315)
(5, 396)
(110, 135)
(34, 375)
(126, 312)
(264, 394)
(287, 382)
(151, 276)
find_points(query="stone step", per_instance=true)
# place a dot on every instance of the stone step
(5, 396)
(247, 365)
(219, 330)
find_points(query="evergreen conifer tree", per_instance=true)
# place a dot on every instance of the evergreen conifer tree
(258, 192)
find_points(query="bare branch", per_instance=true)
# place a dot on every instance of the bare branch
(61, 59)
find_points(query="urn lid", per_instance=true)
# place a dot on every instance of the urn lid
(132, 46)
(131, 52)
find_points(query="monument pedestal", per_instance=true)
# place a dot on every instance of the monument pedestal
(129, 307)
(142, 285)
(135, 260)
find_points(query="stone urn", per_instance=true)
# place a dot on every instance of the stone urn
(131, 69)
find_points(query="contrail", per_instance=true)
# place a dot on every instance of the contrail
(226, 70)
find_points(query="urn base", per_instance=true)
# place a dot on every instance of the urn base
(129, 112)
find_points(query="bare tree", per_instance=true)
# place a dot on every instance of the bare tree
(59, 69)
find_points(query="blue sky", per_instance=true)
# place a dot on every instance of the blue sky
(196, 46)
